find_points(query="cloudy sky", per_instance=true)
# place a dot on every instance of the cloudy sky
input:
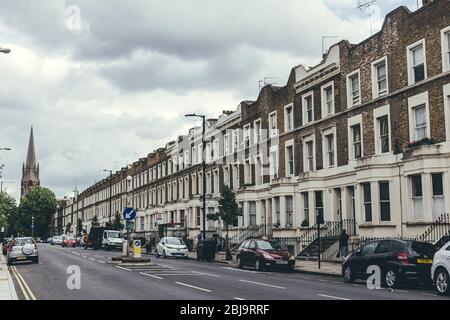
(105, 82)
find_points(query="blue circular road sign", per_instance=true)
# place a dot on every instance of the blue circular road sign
(129, 214)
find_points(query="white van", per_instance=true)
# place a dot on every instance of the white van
(112, 239)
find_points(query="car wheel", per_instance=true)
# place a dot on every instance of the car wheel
(391, 278)
(259, 266)
(291, 269)
(36, 260)
(164, 254)
(9, 262)
(107, 247)
(348, 275)
(239, 263)
(157, 253)
(442, 281)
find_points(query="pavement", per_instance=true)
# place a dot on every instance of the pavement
(7, 289)
(76, 273)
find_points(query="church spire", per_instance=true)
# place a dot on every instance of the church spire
(30, 169)
(31, 154)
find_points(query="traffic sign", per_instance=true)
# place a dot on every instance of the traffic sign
(129, 214)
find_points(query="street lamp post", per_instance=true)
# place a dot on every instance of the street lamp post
(5, 50)
(110, 191)
(126, 243)
(32, 226)
(203, 117)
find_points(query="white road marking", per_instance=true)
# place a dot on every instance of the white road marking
(150, 275)
(99, 256)
(430, 294)
(206, 274)
(124, 268)
(262, 284)
(234, 269)
(164, 265)
(84, 256)
(332, 297)
(322, 280)
(398, 290)
(92, 259)
(100, 261)
(193, 287)
(237, 298)
(178, 274)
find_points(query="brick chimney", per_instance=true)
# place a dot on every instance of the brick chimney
(425, 2)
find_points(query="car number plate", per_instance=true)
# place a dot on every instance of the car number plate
(281, 262)
(21, 258)
(425, 261)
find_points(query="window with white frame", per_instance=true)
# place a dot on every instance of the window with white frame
(327, 99)
(257, 130)
(216, 149)
(273, 123)
(246, 135)
(446, 94)
(416, 61)
(277, 211)
(417, 197)
(356, 141)
(367, 201)
(308, 107)
(383, 133)
(308, 152)
(289, 165)
(438, 195)
(445, 41)
(186, 158)
(288, 117)
(235, 140)
(252, 213)
(329, 142)
(419, 117)
(380, 78)
(226, 144)
(385, 202)
(180, 161)
(305, 197)
(208, 152)
(353, 89)
(199, 153)
(289, 211)
(420, 122)
(273, 162)
(194, 155)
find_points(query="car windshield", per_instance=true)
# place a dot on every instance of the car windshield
(264, 245)
(174, 241)
(22, 241)
(114, 234)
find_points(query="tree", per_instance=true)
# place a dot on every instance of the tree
(117, 223)
(39, 203)
(228, 212)
(79, 227)
(68, 227)
(95, 222)
(8, 208)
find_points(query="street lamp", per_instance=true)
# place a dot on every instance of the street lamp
(5, 50)
(110, 191)
(203, 117)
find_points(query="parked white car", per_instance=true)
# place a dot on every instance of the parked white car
(440, 271)
(171, 247)
(57, 240)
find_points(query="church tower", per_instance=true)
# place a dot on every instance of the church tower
(30, 169)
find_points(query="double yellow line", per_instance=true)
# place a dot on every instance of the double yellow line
(28, 294)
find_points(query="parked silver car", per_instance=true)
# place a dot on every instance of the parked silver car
(22, 249)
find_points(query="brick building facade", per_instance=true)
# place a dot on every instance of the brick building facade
(364, 136)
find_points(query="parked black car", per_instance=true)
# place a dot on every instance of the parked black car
(263, 254)
(399, 261)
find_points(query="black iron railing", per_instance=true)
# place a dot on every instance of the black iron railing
(437, 230)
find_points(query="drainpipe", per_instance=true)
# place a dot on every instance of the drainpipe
(401, 199)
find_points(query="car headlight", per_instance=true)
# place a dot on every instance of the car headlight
(267, 256)
(291, 257)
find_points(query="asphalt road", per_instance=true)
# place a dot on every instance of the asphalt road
(170, 279)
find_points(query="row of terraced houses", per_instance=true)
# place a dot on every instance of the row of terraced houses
(360, 141)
